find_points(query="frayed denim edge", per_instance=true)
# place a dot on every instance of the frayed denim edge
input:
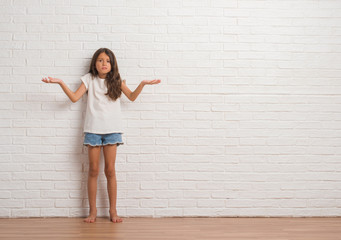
(116, 143)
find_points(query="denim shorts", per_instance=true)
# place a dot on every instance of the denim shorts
(94, 139)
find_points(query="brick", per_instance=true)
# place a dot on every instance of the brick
(5, 194)
(23, 213)
(11, 203)
(25, 194)
(54, 176)
(182, 203)
(153, 186)
(54, 212)
(148, 203)
(36, 185)
(69, 203)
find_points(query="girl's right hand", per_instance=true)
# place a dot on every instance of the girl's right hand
(51, 80)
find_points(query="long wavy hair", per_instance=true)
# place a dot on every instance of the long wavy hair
(113, 79)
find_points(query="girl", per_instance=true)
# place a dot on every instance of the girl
(103, 124)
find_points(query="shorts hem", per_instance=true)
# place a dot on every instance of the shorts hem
(116, 143)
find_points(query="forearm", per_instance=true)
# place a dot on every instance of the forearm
(67, 91)
(137, 92)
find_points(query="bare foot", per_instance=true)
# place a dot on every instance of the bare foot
(91, 218)
(114, 218)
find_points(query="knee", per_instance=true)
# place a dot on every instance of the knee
(93, 171)
(110, 172)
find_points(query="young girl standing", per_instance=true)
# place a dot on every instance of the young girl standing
(103, 123)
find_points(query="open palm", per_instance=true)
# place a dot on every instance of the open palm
(150, 82)
(50, 80)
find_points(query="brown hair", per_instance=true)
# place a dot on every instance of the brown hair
(113, 79)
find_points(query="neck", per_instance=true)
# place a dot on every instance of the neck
(101, 75)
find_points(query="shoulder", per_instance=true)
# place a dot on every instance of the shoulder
(86, 79)
(87, 76)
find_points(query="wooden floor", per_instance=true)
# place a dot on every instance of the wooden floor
(172, 228)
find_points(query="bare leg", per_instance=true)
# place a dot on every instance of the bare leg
(110, 158)
(94, 157)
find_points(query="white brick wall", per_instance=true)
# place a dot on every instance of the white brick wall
(246, 121)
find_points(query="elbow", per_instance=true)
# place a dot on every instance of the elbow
(74, 98)
(132, 98)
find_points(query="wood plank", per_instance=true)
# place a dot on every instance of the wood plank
(172, 228)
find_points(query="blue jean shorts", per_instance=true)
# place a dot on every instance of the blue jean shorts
(94, 139)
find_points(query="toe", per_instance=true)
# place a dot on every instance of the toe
(90, 220)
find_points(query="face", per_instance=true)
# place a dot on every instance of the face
(103, 65)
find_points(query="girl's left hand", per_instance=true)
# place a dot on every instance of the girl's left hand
(150, 82)
(51, 80)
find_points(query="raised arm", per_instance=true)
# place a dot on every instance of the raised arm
(74, 96)
(133, 95)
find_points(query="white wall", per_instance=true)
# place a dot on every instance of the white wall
(246, 121)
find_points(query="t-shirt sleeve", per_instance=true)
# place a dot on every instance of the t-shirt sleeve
(85, 79)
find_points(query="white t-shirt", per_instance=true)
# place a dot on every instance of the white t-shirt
(103, 115)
